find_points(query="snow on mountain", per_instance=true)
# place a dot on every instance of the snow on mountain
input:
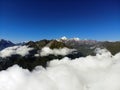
(77, 40)
(63, 38)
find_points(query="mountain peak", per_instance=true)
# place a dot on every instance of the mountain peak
(64, 38)
(76, 39)
(5, 43)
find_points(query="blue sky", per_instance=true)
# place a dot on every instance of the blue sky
(23, 20)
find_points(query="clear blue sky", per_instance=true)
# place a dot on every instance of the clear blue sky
(22, 20)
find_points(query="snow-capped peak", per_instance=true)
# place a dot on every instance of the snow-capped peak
(63, 38)
(76, 39)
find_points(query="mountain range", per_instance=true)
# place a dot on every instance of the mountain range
(33, 53)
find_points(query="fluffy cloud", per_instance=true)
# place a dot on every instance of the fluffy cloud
(62, 51)
(100, 72)
(20, 50)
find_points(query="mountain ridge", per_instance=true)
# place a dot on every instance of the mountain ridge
(33, 58)
(5, 43)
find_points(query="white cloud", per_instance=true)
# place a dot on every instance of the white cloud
(20, 50)
(62, 51)
(100, 72)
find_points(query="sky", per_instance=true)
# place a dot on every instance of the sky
(23, 20)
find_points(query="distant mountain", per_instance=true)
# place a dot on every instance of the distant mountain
(5, 44)
(86, 47)
(21, 43)
(46, 43)
(32, 59)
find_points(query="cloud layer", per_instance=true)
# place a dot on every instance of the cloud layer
(100, 72)
(62, 51)
(20, 50)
